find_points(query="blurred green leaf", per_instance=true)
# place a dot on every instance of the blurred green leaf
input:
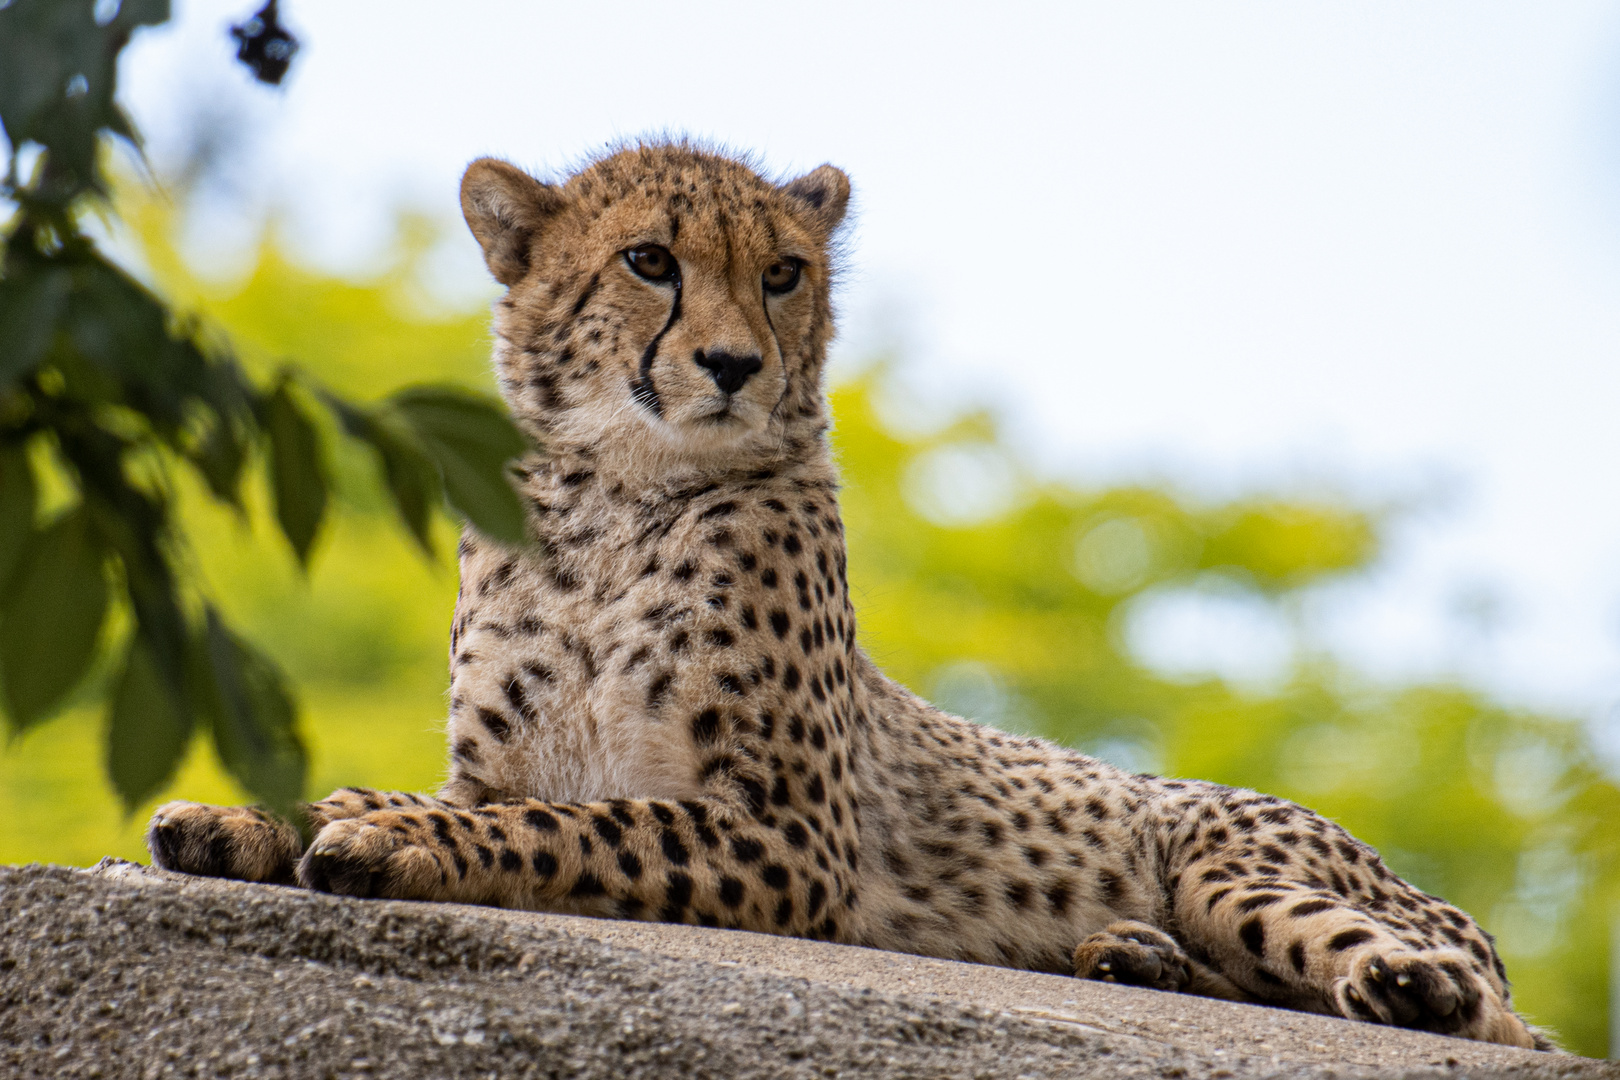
(32, 299)
(51, 618)
(297, 471)
(471, 440)
(120, 332)
(412, 478)
(148, 728)
(254, 719)
(18, 496)
(1283, 545)
(220, 456)
(58, 76)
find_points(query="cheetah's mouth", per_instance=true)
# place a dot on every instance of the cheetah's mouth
(722, 415)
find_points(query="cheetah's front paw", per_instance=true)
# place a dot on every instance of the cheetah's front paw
(1135, 954)
(240, 842)
(366, 857)
(1430, 991)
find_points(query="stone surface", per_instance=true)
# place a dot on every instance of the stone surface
(127, 971)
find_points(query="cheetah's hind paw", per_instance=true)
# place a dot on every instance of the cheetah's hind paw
(1135, 954)
(241, 842)
(1432, 991)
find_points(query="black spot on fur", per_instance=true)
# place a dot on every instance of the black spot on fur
(539, 819)
(658, 688)
(1310, 907)
(753, 793)
(1347, 939)
(1253, 935)
(706, 727)
(677, 894)
(1259, 900)
(1296, 956)
(1109, 887)
(608, 830)
(496, 724)
(1058, 895)
(674, 850)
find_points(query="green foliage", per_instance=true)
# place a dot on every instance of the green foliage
(58, 74)
(469, 455)
(114, 396)
(52, 614)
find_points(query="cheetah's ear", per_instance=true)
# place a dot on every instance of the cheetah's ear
(505, 208)
(824, 195)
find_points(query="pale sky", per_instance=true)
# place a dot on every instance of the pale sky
(1366, 246)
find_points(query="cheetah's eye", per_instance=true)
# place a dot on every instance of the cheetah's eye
(653, 262)
(782, 276)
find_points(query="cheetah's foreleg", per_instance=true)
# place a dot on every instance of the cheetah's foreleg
(245, 842)
(700, 861)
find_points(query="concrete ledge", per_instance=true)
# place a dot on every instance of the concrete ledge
(127, 971)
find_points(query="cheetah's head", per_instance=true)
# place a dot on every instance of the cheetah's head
(666, 308)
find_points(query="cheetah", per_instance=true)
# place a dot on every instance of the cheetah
(659, 709)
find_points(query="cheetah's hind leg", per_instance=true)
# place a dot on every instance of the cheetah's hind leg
(1137, 954)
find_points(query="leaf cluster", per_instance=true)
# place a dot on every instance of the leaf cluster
(105, 392)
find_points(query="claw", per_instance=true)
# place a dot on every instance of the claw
(1403, 980)
(1105, 966)
(1375, 973)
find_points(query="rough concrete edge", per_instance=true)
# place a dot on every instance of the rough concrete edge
(121, 875)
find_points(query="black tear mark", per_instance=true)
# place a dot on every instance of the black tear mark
(642, 388)
(585, 297)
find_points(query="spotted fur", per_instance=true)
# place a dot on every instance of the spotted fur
(660, 709)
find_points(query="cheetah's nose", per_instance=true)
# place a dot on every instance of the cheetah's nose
(728, 372)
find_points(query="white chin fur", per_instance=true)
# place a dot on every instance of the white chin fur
(683, 438)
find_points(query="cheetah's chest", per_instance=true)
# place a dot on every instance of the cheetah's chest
(625, 661)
